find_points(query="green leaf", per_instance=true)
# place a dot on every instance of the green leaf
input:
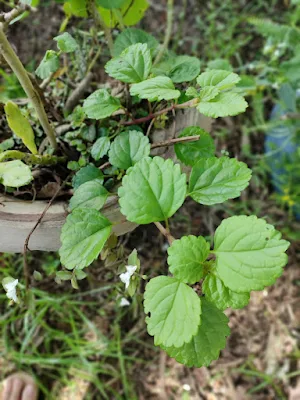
(219, 63)
(100, 104)
(159, 88)
(64, 275)
(132, 12)
(100, 148)
(190, 152)
(175, 311)
(83, 237)
(133, 36)
(250, 253)
(179, 69)
(80, 274)
(90, 194)
(85, 174)
(216, 292)
(186, 258)
(66, 43)
(224, 105)
(133, 65)
(214, 180)
(15, 174)
(110, 4)
(128, 148)
(152, 191)
(210, 339)
(20, 125)
(48, 65)
(76, 7)
(208, 93)
(192, 92)
(219, 78)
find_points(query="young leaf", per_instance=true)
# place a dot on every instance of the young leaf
(175, 311)
(133, 36)
(210, 339)
(64, 275)
(100, 148)
(128, 148)
(186, 258)
(132, 66)
(179, 69)
(66, 43)
(48, 65)
(152, 190)
(218, 78)
(190, 152)
(216, 292)
(250, 253)
(15, 174)
(83, 237)
(20, 125)
(214, 180)
(132, 12)
(223, 105)
(90, 194)
(86, 174)
(100, 104)
(208, 93)
(110, 4)
(159, 88)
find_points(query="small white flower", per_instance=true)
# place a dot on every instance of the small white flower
(186, 387)
(124, 302)
(126, 276)
(11, 291)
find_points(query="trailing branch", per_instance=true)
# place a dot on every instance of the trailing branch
(31, 158)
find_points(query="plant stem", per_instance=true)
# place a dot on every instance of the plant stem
(171, 142)
(31, 158)
(15, 64)
(101, 24)
(6, 18)
(188, 104)
(170, 16)
(165, 232)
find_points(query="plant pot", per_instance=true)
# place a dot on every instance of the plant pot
(17, 218)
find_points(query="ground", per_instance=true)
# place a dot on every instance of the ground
(81, 344)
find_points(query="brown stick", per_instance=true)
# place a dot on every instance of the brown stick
(6, 18)
(25, 263)
(165, 232)
(78, 93)
(171, 142)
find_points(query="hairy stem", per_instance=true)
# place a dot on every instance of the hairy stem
(31, 158)
(170, 16)
(15, 64)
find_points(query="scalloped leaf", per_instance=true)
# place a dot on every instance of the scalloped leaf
(219, 78)
(128, 148)
(210, 339)
(91, 194)
(215, 180)
(100, 105)
(132, 12)
(66, 43)
(175, 311)
(83, 236)
(250, 253)
(85, 174)
(186, 258)
(158, 88)
(48, 65)
(15, 174)
(223, 105)
(132, 36)
(179, 69)
(100, 148)
(152, 191)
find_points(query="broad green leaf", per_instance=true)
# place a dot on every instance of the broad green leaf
(250, 253)
(85, 174)
(76, 7)
(110, 4)
(210, 339)
(291, 68)
(223, 105)
(128, 148)
(133, 36)
(179, 69)
(214, 180)
(186, 258)
(218, 78)
(100, 148)
(132, 12)
(48, 65)
(158, 88)
(152, 191)
(219, 63)
(132, 66)
(15, 174)
(64, 275)
(66, 43)
(175, 311)
(190, 152)
(216, 292)
(100, 104)
(208, 93)
(20, 125)
(83, 237)
(90, 194)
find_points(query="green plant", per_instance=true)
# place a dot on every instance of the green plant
(113, 138)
